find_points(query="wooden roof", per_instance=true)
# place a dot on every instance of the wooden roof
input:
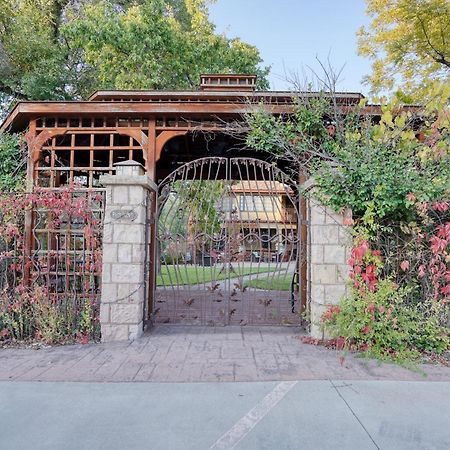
(230, 95)
(217, 100)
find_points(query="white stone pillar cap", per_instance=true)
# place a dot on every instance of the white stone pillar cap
(129, 168)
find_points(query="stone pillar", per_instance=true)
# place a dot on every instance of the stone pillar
(329, 244)
(124, 246)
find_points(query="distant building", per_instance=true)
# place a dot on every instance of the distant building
(262, 217)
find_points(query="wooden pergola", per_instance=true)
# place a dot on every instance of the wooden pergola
(80, 140)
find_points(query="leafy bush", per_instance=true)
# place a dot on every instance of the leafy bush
(376, 318)
(379, 165)
(367, 165)
(380, 324)
(32, 315)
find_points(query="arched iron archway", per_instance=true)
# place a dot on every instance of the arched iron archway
(228, 245)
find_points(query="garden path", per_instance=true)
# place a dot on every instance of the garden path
(170, 353)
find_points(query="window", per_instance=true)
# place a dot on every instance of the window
(256, 203)
(227, 204)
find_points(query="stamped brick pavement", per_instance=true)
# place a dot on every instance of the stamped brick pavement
(190, 354)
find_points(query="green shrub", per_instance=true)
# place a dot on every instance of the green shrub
(31, 314)
(381, 325)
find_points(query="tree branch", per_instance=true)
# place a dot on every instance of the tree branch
(440, 58)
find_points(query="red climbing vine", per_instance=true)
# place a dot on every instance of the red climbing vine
(50, 265)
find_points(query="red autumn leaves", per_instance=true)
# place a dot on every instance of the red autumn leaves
(365, 265)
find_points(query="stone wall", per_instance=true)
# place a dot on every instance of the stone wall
(329, 243)
(124, 246)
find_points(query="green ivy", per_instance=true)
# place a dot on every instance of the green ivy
(12, 162)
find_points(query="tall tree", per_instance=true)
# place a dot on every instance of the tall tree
(32, 51)
(63, 49)
(408, 42)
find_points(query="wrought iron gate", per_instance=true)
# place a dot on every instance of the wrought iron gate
(228, 244)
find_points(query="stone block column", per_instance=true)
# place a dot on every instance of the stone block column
(328, 272)
(124, 252)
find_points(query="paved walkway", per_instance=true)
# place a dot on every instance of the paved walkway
(191, 354)
(287, 415)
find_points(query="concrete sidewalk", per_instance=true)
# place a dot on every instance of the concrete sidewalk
(252, 416)
(192, 354)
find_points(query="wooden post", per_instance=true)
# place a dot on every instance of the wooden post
(303, 258)
(152, 251)
(30, 137)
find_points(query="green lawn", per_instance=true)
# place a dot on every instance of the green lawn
(277, 283)
(185, 275)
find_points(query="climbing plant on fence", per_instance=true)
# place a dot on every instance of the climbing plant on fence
(50, 265)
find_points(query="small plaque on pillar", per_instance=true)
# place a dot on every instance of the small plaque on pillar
(124, 214)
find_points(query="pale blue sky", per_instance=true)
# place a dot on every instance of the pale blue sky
(291, 33)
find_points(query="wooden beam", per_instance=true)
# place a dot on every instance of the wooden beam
(165, 137)
(26, 110)
(37, 141)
